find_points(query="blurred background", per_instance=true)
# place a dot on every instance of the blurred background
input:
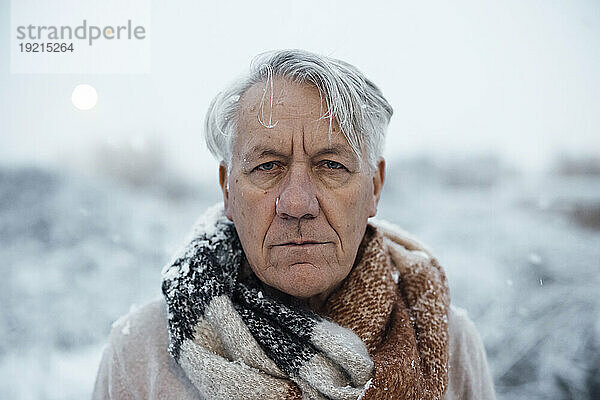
(493, 159)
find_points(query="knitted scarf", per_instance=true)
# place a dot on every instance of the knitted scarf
(383, 334)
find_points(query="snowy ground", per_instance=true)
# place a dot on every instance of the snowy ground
(521, 252)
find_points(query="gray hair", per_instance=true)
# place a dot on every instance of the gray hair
(358, 106)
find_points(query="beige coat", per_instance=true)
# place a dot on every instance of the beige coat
(136, 365)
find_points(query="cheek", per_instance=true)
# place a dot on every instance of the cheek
(347, 212)
(252, 213)
(346, 209)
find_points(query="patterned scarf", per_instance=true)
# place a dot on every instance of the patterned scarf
(383, 334)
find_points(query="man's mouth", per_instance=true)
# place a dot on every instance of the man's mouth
(301, 243)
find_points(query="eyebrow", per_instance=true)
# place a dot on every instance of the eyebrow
(260, 151)
(336, 149)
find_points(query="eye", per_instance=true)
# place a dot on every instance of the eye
(333, 165)
(268, 166)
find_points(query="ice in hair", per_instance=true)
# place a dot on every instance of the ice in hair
(353, 101)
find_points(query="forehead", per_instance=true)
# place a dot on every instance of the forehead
(291, 111)
(289, 99)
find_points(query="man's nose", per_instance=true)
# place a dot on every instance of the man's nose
(298, 197)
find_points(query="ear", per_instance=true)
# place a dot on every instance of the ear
(223, 181)
(378, 179)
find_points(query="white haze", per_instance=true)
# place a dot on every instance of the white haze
(516, 78)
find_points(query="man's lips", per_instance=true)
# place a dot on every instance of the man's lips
(300, 243)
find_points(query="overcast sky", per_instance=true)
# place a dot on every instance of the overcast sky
(517, 77)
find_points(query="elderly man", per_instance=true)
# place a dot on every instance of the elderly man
(287, 290)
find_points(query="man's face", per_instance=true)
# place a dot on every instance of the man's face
(299, 202)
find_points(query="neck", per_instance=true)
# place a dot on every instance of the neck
(318, 302)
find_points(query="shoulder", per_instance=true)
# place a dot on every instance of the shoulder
(136, 362)
(137, 346)
(461, 327)
(144, 326)
(469, 375)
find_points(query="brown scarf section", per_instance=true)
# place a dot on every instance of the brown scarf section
(405, 324)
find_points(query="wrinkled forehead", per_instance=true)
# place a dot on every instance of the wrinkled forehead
(274, 115)
(283, 97)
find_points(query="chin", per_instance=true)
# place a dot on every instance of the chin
(304, 293)
(304, 281)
